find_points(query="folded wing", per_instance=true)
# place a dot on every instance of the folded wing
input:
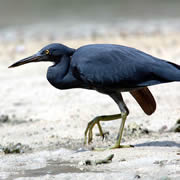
(115, 66)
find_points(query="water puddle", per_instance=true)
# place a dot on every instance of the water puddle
(52, 168)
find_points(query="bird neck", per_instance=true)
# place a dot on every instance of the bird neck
(58, 71)
(62, 66)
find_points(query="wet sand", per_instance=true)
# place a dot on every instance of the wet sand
(51, 123)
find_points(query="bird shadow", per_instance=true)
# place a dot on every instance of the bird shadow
(159, 144)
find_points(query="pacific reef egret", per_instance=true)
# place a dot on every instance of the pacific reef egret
(109, 69)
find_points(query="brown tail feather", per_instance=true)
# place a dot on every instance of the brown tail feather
(145, 99)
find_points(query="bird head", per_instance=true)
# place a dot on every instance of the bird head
(52, 52)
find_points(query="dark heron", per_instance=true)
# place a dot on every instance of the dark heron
(109, 69)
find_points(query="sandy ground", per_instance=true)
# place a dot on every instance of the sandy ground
(51, 123)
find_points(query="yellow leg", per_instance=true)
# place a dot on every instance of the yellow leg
(117, 97)
(117, 144)
(96, 120)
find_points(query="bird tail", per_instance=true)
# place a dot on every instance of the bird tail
(145, 99)
(175, 65)
(168, 71)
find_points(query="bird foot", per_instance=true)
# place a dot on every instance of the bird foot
(113, 147)
(121, 146)
(88, 132)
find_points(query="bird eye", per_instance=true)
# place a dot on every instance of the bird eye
(47, 51)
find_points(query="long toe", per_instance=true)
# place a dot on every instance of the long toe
(121, 146)
(113, 147)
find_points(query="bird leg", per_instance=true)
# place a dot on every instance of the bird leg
(124, 113)
(95, 121)
(119, 137)
(117, 97)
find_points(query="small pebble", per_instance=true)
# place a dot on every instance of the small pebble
(4, 118)
(81, 163)
(161, 163)
(137, 176)
(123, 159)
(88, 162)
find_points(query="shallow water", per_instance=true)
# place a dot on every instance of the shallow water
(38, 164)
(52, 168)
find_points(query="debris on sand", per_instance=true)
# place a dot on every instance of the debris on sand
(15, 148)
(12, 119)
(161, 163)
(176, 127)
(135, 130)
(137, 176)
(4, 118)
(97, 162)
(163, 129)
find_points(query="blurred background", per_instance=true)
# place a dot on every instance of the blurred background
(75, 17)
(60, 12)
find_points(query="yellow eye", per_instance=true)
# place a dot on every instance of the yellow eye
(47, 51)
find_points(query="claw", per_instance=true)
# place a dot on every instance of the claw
(102, 137)
(89, 132)
(88, 135)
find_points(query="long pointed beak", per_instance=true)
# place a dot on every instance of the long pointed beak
(33, 58)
